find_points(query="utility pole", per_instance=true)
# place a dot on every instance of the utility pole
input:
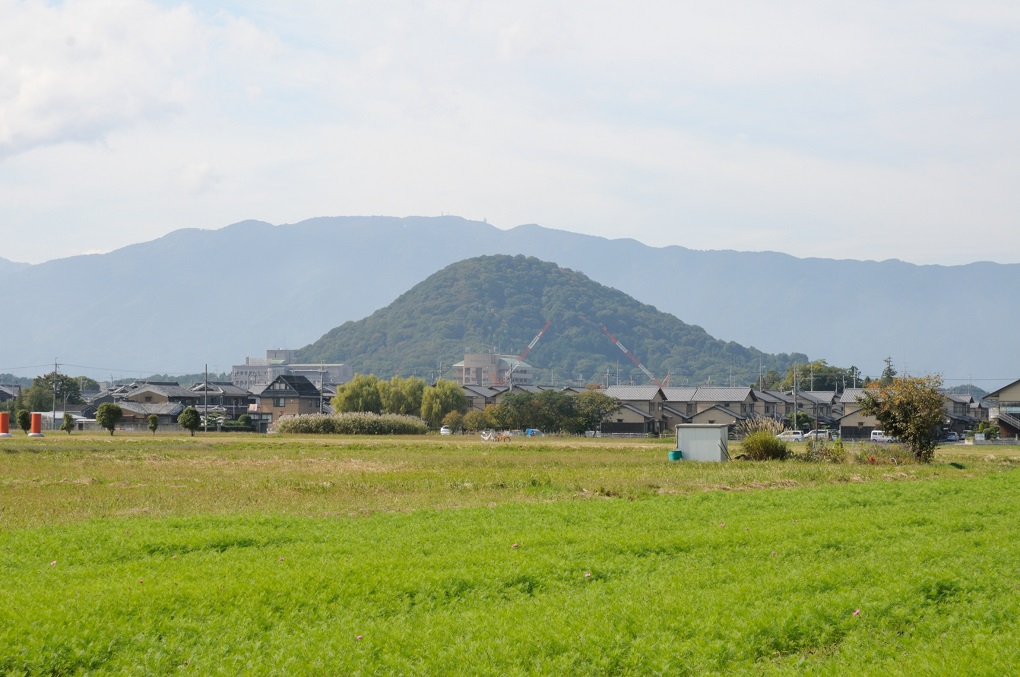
(54, 417)
(206, 418)
(796, 406)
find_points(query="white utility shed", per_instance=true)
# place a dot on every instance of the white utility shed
(703, 442)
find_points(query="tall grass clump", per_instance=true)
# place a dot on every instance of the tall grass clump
(351, 423)
(883, 454)
(820, 451)
(764, 446)
(757, 424)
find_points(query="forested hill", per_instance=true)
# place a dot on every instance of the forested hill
(501, 302)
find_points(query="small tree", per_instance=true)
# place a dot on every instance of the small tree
(595, 408)
(24, 418)
(108, 414)
(439, 400)
(244, 420)
(190, 419)
(909, 409)
(359, 394)
(476, 420)
(68, 425)
(454, 420)
(153, 420)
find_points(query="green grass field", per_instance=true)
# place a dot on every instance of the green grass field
(274, 555)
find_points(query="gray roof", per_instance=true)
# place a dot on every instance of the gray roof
(640, 393)
(722, 394)
(851, 395)
(814, 397)
(219, 388)
(680, 393)
(635, 410)
(298, 384)
(675, 413)
(524, 388)
(727, 410)
(147, 408)
(171, 391)
(483, 391)
(768, 396)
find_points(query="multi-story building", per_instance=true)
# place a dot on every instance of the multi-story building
(257, 371)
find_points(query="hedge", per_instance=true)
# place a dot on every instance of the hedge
(351, 424)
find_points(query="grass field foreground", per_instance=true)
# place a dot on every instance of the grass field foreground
(60, 479)
(873, 569)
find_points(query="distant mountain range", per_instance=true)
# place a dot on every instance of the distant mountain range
(198, 297)
(10, 266)
(492, 302)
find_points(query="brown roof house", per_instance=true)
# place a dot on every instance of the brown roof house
(286, 395)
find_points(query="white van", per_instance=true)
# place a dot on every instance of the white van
(880, 436)
(791, 436)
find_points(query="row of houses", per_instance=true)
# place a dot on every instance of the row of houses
(656, 410)
(643, 409)
(223, 401)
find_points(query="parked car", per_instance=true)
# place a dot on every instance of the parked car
(445, 430)
(817, 435)
(791, 436)
(880, 436)
(952, 437)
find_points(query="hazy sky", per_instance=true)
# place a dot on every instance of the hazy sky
(870, 130)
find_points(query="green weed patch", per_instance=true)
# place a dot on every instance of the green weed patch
(264, 555)
(879, 577)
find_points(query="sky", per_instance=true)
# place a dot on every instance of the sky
(869, 130)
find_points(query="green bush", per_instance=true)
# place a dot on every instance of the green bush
(351, 423)
(764, 446)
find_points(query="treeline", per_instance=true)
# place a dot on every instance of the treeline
(446, 404)
(50, 388)
(400, 396)
(550, 411)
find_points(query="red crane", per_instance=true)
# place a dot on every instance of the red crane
(630, 355)
(510, 371)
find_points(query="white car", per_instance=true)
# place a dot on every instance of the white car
(880, 437)
(817, 435)
(791, 436)
(445, 430)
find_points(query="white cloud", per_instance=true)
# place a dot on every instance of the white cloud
(814, 128)
(76, 71)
